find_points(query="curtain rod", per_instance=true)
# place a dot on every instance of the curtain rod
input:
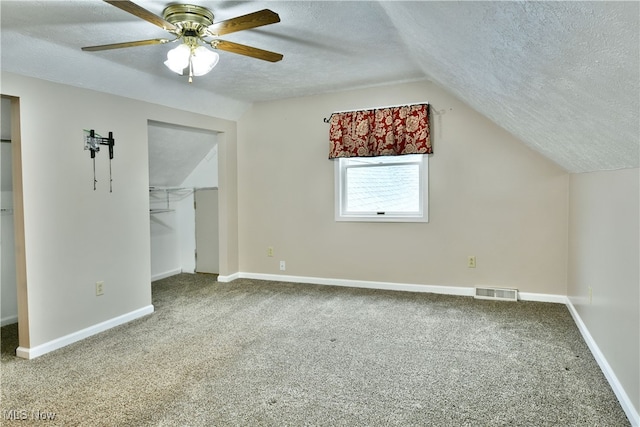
(326, 120)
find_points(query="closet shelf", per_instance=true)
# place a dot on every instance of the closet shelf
(171, 189)
(166, 195)
(158, 211)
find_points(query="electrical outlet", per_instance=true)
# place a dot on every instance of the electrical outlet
(471, 261)
(99, 288)
(283, 266)
(270, 251)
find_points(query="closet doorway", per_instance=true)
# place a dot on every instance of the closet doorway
(15, 305)
(183, 168)
(9, 289)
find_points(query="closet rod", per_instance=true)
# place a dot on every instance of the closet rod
(327, 120)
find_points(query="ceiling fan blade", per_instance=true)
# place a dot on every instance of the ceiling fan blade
(125, 44)
(245, 22)
(134, 9)
(242, 49)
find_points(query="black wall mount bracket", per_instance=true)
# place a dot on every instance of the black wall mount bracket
(92, 142)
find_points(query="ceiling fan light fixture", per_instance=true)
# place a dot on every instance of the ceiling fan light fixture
(192, 25)
(178, 58)
(203, 60)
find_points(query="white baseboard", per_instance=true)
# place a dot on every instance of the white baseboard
(166, 274)
(529, 296)
(33, 352)
(623, 398)
(9, 320)
(229, 278)
(408, 287)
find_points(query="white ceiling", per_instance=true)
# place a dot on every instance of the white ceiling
(175, 151)
(564, 77)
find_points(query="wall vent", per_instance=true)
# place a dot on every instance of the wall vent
(502, 294)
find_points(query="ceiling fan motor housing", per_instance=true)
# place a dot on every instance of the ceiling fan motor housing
(192, 25)
(188, 17)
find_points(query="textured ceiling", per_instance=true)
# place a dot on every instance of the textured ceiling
(561, 76)
(175, 151)
(564, 77)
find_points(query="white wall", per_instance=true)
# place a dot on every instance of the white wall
(604, 255)
(206, 173)
(490, 196)
(75, 236)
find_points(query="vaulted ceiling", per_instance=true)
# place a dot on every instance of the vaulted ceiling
(564, 77)
(170, 163)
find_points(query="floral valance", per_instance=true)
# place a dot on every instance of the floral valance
(389, 131)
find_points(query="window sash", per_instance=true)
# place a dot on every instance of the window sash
(346, 213)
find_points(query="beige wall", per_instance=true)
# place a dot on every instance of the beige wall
(604, 255)
(490, 196)
(74, 236)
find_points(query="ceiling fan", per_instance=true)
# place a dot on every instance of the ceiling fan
(194, 27)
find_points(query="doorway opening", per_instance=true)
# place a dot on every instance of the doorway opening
(9, 286)
(183, 180)
(15, 306)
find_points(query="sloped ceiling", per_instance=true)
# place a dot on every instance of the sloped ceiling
(564, 77)
(175, 151)
(561, 76)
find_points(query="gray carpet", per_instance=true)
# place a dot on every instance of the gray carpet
(257, 353)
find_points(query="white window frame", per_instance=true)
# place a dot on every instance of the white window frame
(341, 164)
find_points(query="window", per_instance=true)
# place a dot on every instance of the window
(391, 189)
